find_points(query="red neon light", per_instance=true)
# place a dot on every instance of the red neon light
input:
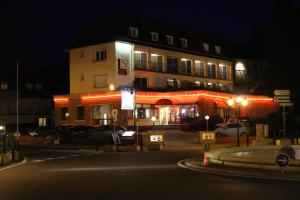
(179, 95)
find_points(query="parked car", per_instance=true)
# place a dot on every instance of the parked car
(230, 129)
(245, 120)
(105, 134)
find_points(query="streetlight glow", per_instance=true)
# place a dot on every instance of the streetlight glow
(206, 117)
(153, 118)
(244, 102)
(230, 102)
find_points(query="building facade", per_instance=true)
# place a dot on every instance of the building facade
(179, 76)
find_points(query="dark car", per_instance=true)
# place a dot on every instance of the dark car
(105, 134)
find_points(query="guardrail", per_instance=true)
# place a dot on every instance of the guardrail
(7, 142)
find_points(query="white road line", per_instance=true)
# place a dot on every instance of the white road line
(15, 165)
(110, 168)
(180, 164)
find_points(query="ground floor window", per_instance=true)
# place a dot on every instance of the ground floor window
(80, 112)
(64, 113)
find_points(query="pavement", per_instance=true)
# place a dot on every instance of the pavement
(196, 163)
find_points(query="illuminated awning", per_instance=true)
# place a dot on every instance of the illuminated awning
(221, 104)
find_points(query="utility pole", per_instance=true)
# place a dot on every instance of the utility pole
(17, 100)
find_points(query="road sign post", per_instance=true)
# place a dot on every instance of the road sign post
(282, 160)
(282, 97)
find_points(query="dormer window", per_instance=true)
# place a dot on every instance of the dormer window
(218, 49)
(170, 39)
(154, 36)
(134, 32)
(206, 47)
(184, 42)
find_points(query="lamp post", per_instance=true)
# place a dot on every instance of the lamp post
(2, 129)
(238, 101)
(153, 119)
(206, 118)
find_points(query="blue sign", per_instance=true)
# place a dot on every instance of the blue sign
(282, 160)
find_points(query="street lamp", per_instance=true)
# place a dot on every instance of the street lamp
(206, 118)
(153, 119)
(238, 101)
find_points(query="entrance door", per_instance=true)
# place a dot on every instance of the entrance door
(164, 115)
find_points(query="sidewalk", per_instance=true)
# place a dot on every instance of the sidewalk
(197, 164)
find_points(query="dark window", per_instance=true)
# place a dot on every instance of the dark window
(64, 113)
(172, 64)
(80, 112)
(140, 83)
(100, 55)
(134, 32)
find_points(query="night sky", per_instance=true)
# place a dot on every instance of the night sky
(38, 32)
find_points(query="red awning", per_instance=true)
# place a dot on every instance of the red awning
(221, 104)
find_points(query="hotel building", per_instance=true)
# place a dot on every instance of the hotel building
(178, 75)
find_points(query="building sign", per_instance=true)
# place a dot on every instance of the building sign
(124, 55)
(156, 138)
(127, 99)
(207, 136)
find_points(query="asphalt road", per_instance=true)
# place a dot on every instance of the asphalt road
(142, 175)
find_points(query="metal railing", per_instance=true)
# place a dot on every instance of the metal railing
(7, 142)
(179, 70)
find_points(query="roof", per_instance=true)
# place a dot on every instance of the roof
(114, 25)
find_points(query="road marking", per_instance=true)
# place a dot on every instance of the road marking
(110, 168)
(14, 165)
(61, 157)
(180, 164)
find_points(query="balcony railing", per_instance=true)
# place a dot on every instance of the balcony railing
(179, 71)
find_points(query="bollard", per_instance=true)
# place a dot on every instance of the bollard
(205, 159)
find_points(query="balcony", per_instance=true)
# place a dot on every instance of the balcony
(148, 66)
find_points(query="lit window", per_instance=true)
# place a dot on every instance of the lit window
(42, 121)
(199, 68)
(222, 71)
(100, 81)
(134, 32)
(96, 111)
(4, 86)
(240, 71)
(211, 70)
(170, 39)
(206, 47)
(185, 67)
(80, 112)
(154, 36)
(64, 113)
(100, 55)
(156, 62)
(218, 49)
(140, 60)
(184, 42)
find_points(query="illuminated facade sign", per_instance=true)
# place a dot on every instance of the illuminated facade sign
(127, 100)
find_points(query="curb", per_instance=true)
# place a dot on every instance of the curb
(13, 165)
(223, 172)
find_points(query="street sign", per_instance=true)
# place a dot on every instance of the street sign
(282, 92)
(286, 104)
(282, 160)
